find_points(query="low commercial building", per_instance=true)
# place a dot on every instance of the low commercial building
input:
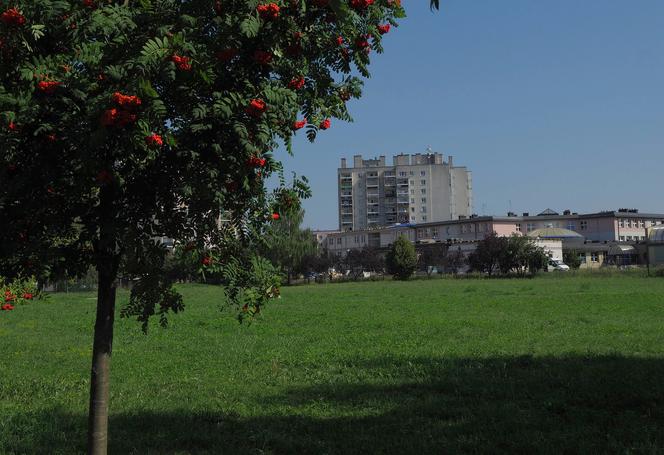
(590, 234)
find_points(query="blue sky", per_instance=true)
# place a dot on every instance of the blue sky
(549, 103)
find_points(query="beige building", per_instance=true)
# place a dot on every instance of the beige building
(596, 233)
(419, 188)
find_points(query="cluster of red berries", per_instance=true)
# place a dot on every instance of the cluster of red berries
(9, 296)
(383, 29)
(254, 161)
(12, 17)
(362, 42)
(125, 114)
(181, 62)
(360, 5)
(154, 140)
(262, 57)
(256, 108)
(296, 83)
(48, 87)
(299, 124)
(126, 101)
(268, 12)
(325, 124)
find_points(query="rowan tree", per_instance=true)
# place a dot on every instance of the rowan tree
(125, 121)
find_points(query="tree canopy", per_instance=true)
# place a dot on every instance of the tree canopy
(123, 121)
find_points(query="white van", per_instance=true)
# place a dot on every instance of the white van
(557, 265)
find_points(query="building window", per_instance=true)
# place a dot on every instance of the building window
(424, 200)
(621, 238)
(629, 238)
(412, 200)
(357, 239)
(423, 210)
(339, 241)
(412, 173)
(423, 182)
(424, 217)
(584, 225)
(571, 226)
(412, 182)
(423, 173)
(594, 257)
(641, 223)
(518, 227)
(434, 232)
(530, 227)
(412, 209)
(582, 258)
(423, 191)
(402, 174)
(621, 223)
(412, 191)
(412, 218)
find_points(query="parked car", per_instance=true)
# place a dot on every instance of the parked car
(557, 265)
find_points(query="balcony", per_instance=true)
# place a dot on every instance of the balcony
(346, 194)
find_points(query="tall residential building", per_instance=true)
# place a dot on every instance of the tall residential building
(417, 188)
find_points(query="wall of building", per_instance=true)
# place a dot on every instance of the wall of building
(417, 189)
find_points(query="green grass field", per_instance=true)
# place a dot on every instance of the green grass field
(553, 364)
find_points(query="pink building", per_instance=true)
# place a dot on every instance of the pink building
(624, 225)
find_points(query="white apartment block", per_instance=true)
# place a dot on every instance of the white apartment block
(419, 188)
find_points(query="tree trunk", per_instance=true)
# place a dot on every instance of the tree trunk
(101, 362)
(107, 269)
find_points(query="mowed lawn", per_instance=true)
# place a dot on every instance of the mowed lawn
(553, 364)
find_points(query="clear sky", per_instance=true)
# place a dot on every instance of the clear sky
(555, 103)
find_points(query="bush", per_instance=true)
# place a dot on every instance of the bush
(401, 260)
(18, 291)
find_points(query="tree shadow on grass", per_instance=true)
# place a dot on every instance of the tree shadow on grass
(425, 405)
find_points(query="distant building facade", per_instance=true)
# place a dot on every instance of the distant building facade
(419, 188)
(597, 231)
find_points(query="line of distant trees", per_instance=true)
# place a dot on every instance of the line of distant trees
(295, 252)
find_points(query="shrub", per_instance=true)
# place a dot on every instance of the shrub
(401, 259)
(17, 291)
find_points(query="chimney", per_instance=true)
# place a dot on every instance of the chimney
(343, 163)
(450, 161)
(382, 160)
(526, 214)
(357, 161)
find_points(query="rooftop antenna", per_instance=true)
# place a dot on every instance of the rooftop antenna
(428, 149)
